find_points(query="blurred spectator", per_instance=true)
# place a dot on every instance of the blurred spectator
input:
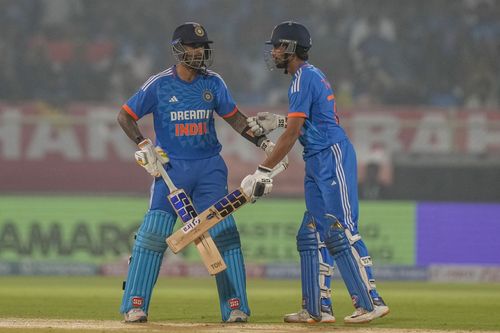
(375, 174)
(440, 53)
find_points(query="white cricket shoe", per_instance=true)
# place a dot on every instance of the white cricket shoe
(303, 316)
(380, 309)
(136, 315)
(237, 316)
(359, 316)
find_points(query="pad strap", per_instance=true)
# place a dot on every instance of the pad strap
(150, 241)
(228, 240)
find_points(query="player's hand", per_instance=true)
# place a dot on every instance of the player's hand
(258, 184)
(149, 156)
(268, 146)
(265, 122)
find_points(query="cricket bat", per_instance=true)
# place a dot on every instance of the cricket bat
(214, 214)
(184, 208)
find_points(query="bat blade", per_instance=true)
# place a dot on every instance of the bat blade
(209, 252)
(206, 220)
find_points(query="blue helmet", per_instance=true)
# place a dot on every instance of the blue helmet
(193, 35)
(291, 33)
(190, 33)
(294, 38)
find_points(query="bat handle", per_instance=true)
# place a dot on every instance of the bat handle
(166, 177)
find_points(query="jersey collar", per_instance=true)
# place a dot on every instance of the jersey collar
(181, 80)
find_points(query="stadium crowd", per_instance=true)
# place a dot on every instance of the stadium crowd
(389, 52)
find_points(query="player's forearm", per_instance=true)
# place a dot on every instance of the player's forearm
(129, 126)
(283, 146)
(285, 142)
(239, 122)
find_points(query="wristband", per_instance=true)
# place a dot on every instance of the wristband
(264, 169)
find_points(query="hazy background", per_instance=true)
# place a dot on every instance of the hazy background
(430, 53)
(417, 85)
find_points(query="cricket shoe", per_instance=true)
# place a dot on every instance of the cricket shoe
(360, 316)
(136, 315)
(380, 309)
(303, 316)
(237, 316)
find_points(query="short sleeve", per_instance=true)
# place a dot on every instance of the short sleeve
(226, 106)
(300, 96)
(142, 102)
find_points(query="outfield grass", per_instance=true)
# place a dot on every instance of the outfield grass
(413, 305)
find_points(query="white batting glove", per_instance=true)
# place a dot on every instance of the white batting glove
(268, 146)
(149, 156)
(258, 184)
(265, 122)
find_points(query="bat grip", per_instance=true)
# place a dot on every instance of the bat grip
(166, 177)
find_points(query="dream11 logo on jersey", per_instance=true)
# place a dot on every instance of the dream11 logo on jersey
(184, 128)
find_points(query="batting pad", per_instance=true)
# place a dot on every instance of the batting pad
(325, 277)
(338, 244)
(147, 255)
(315, 272)
(231, 283)
(307, 245)
(365, 261)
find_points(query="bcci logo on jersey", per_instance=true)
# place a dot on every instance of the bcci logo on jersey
(208, 96)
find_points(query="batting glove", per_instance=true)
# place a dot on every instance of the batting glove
(149, 156)
(268, 146)
(265, 122)
(258, 184)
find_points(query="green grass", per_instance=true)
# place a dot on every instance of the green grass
(413, 304)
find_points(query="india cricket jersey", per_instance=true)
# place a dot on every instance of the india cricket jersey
(311, 96)
(183, 112)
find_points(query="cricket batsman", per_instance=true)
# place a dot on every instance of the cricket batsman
(330, 224)
(184, 100)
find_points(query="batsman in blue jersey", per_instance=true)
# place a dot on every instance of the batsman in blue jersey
(329, 229)
(183, 101)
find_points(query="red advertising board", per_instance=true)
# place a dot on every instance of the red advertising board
(82, 149)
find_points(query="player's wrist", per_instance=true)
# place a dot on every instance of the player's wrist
(144, 143)
(138, 139)
(282, 121)
(264, 169)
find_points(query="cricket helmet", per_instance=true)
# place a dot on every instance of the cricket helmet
(290, 32)
(293, 38)
(190, 33)
(194, 35)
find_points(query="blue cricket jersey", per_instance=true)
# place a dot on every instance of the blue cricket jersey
(183, 112)
(310, 96)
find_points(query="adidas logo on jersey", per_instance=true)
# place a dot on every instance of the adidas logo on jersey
(173, 99)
